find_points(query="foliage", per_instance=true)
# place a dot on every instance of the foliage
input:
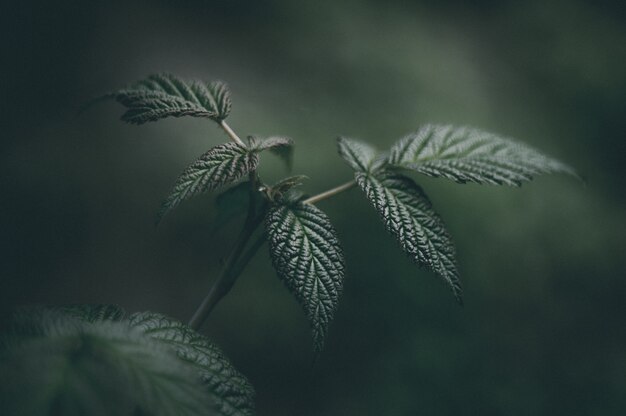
(96, 360)
(90, 359)
(219, 166)
(465, 154)
(307, 256)
(164, 95)
(304, 247)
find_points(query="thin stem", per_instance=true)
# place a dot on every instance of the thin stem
(231, 133)
(330, 192)
(227, 277)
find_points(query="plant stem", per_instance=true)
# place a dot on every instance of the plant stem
(227, 277)
(234, 265)
(330, 192)
(231, 133)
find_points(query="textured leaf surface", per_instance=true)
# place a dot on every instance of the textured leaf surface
(232, 393)
(408, 215)
(165, 95)
(465, 154)
(88, 359)
(360, 156)
(94, 313)
(219, 166)
(103, 368)
(307, 256)
(278, 145)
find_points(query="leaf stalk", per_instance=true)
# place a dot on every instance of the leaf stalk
(327, 194)
(233, 136)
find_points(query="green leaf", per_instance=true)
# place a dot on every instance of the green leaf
(164, 95)
(360, 156)
(307, 256)
(465, 154)
(278, 145)
(93, 313)
(104, 368)
(87, 359)
(408, 215)
(219, 166)
(232, 393)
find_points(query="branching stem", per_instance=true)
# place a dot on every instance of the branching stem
(239, 256)
(330, 192)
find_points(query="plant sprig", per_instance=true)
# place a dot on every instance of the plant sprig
(96, 359)
(304, 246)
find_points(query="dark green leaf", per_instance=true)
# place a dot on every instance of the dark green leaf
(219, 166)
(86, 359)
(465, 154)
(308, 258)
(104, 368)
(360, 156)
(280, 146)
(408, 215)
(232, 393)
(93, 313)
(165, 95)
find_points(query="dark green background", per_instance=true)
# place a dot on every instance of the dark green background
(543, 331)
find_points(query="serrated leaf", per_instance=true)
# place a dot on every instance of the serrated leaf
(360, 156)
(219, 166)
(86, 359)
(103, 368)
(308, 258)
(93, 313)
(231, 391)
(278, 145)
(165, 95)
(408, 215)
(465, 154)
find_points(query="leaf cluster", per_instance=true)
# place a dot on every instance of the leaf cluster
(303, 244)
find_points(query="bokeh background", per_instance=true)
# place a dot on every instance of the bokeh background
(543, 330)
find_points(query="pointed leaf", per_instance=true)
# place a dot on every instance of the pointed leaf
(306, 254)
(219, 166)
(232, 393)
(465, 154)
(165, 95)
(408, 215)
(360, 156)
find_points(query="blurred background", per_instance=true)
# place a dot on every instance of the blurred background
(543, 329)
